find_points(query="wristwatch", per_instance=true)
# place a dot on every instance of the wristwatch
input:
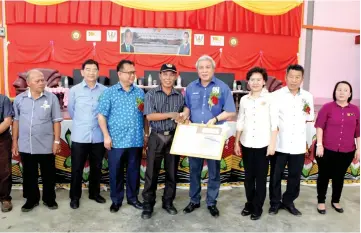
(57, 142)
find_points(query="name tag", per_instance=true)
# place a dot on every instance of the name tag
(350, 114)
(215, 90)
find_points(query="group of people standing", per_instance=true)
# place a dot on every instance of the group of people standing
(271, 128)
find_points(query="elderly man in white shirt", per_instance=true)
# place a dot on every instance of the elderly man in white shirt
(257, 132)
(295, 108)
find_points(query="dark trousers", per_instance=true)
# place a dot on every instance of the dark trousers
(256, 169)
(118, 157)
(30, 176)
(214, 180)
(80, 152)
(5, 167)
(158, 148)
(278, 163)
(333, 165)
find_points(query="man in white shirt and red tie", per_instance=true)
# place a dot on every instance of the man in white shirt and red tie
(295, 108)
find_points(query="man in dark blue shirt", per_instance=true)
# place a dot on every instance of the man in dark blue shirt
(208, 101)
(6, 116)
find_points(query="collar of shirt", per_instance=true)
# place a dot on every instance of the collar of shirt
(198, 82)
(173, 92)
(287, 90)
(263, 93)
(120, 87)
(86, 85)
(28, 94)
(335, 103)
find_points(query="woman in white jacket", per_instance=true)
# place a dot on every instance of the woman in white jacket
(257, 133)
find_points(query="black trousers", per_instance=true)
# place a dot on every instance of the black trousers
(5, 167)
(278, 163)
(256, 169)
(333, 165)
(30, 176)
(158, 148)
(80, 152)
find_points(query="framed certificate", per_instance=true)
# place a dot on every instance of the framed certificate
(198, 140)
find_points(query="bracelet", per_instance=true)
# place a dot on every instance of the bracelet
(57, 142)
(216, 119)
(319, 144)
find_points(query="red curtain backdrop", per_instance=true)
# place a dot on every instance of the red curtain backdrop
(40, 36)
(223, 17)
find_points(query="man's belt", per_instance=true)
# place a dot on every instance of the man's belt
(163, 132)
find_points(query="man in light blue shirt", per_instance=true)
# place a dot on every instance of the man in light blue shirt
(121, 120)
(209, 101)
(86, 136)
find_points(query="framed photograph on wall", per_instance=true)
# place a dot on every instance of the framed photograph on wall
(155, 41)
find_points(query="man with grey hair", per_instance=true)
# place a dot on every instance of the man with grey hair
(36, 138)
(209, 101)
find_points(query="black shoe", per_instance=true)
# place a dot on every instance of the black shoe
(146, 214)
(147, 210)
(98, 199)
(340, 210)
(170, 209)
(213, 210)
(51, 205)
(255, 216)
(321, 211)
(273, 210)
(292, 209)
(74, 204)
(29, 206)
(137, 204)
(115, 207)
(190, 207)
(245, 212)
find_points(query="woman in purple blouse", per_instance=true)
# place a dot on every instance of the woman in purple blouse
(337, 126)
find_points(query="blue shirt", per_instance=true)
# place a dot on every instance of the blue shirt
(197, 99)
(82, 107)
(36, 119)
(124, 119)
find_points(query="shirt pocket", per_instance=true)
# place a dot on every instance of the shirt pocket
(45, 114)
(195, 101)
(176, 108)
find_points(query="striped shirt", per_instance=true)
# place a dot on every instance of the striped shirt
(156, 101)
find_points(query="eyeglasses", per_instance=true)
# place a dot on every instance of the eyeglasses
(129, 72)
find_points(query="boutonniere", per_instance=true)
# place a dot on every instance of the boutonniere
(213, 97)
(140, 104)
(306, 107)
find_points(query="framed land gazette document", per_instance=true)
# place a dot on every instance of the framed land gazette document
(199, 140)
